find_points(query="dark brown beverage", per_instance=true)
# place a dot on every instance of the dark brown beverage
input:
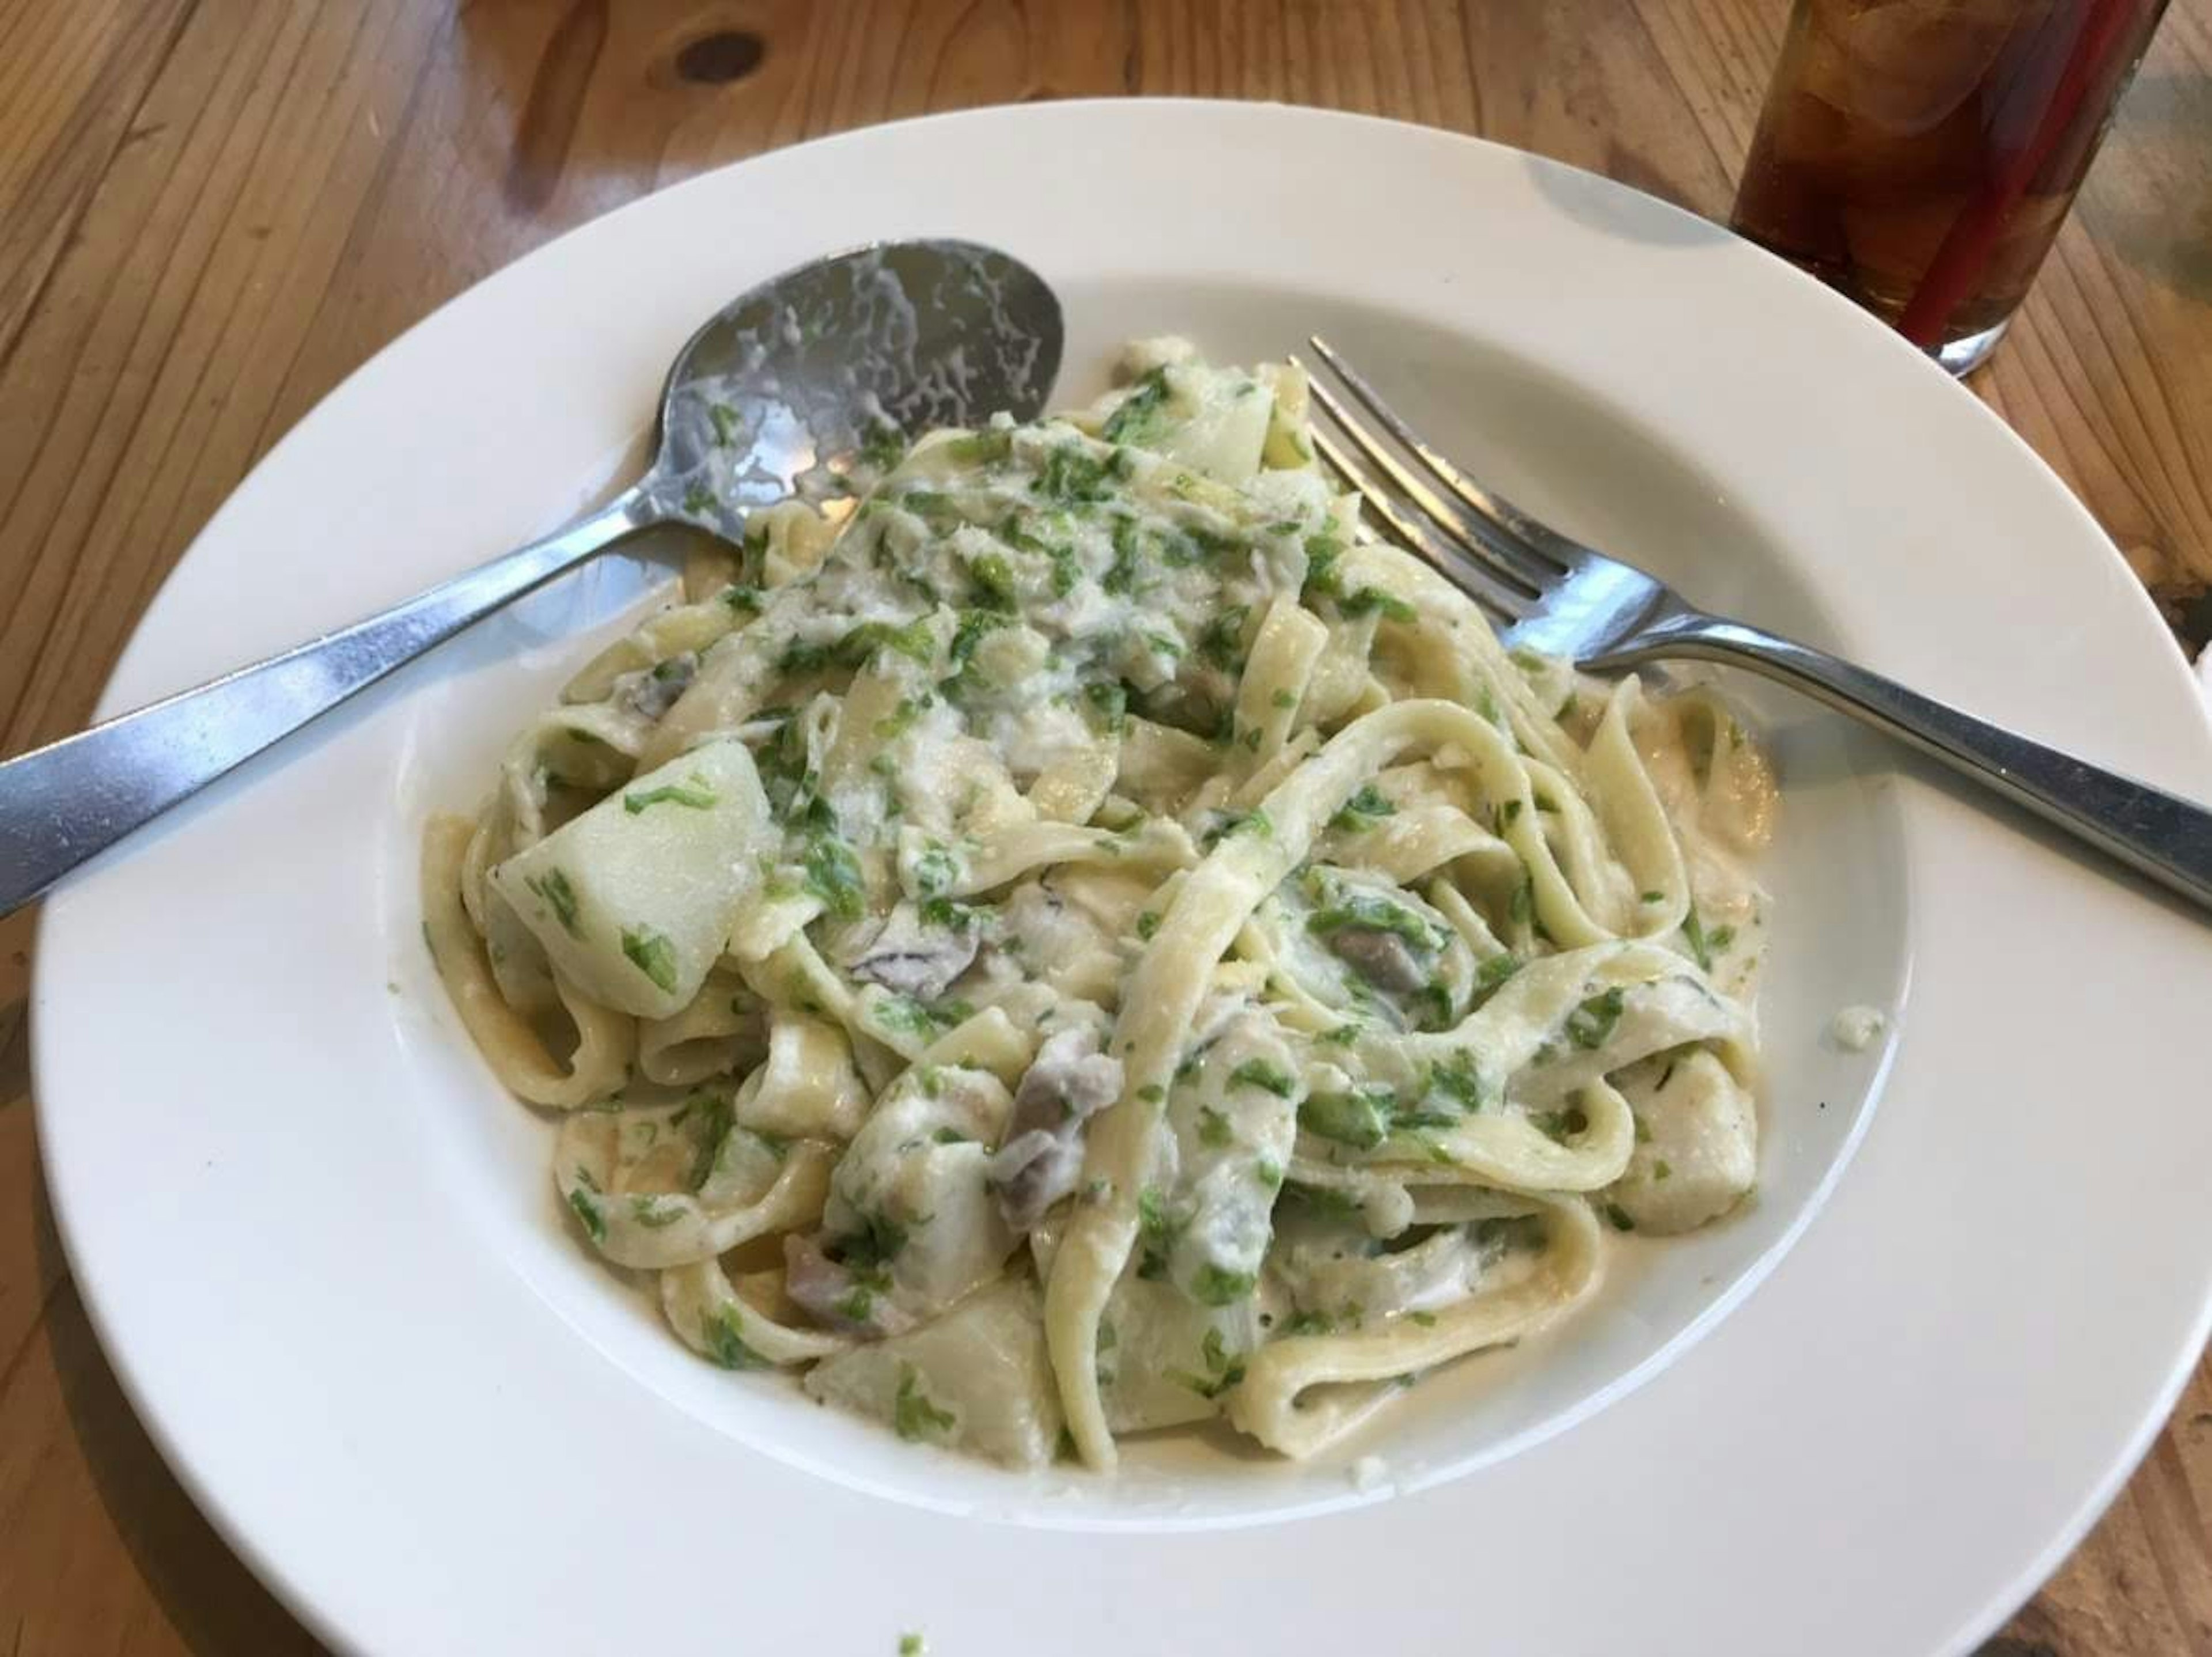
(1918, 155)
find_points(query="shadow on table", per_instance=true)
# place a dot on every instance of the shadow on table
(2158, 222)
(215, 1603)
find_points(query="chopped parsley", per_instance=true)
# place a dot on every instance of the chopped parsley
(1213, 1130)
(695, 793)
(1156, 1229)
(725, 1343)
(558, 896)
(587, 1211)
(1362, 809)
(1120, 575)
(1368, 913)
(652, 954)
(833, 874)
(1322, 553)
(866, 1251)
(1560, 1126)
(1360, 1119)
(1223, 1369)
(884, 448)
(1072, 476)
(1222, 640)
(900, 719)
(1238, 822)
(1259, 1073)
(1522, 907)
(1459, 1079)
(1369, 599)
(1495, 971)
(977, 448)
(1215, 1285)
(935, 869)
(993, 582)
(914, 641)
(951, 916)
(905, 1014)
(713, 1128)
(912, 1415)
(974, 625)
(1705, 945)
(1108, 709)
(1591, 1024)
(1139, 417)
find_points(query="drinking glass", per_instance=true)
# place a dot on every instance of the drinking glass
(1919, 155)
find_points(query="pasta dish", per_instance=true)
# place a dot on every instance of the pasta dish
(1080, 938)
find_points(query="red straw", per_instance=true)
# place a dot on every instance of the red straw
(1960, 262)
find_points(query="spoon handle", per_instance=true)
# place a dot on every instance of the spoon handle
(69, 801)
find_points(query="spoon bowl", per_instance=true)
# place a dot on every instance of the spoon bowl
(788, 386)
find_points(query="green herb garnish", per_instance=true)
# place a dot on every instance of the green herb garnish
(1590, 1024)
(1215, 1285)
(833, 874)
(1137, 418)
(1363, 809)
(912, 1415)
(559, 896)
(652, 954)
(1368, 599)
(1368, 913)
(588, 1211)
(1360, 1119)
(696, 794)
(1259, 1073)
(725, 1343)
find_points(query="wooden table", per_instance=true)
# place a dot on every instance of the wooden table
(211, 210)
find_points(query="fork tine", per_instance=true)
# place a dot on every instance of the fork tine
(1481, 541)
(1498, 514)
(1448, 556)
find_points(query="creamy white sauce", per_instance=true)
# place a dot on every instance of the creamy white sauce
(1855, 1028)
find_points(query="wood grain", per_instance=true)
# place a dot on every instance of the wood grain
(211, 211)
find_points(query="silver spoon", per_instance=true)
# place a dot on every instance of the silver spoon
(783, 388)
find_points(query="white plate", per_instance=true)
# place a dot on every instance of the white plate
(323, 1253)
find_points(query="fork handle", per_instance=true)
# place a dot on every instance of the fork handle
(2157, 834)
(70, 800)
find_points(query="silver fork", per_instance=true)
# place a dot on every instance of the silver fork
(1560, 598)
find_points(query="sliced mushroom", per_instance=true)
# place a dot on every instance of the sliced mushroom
(1069, 1082)
(910, 957)
(652, 691)
(833, 1294)
(1383, 959)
